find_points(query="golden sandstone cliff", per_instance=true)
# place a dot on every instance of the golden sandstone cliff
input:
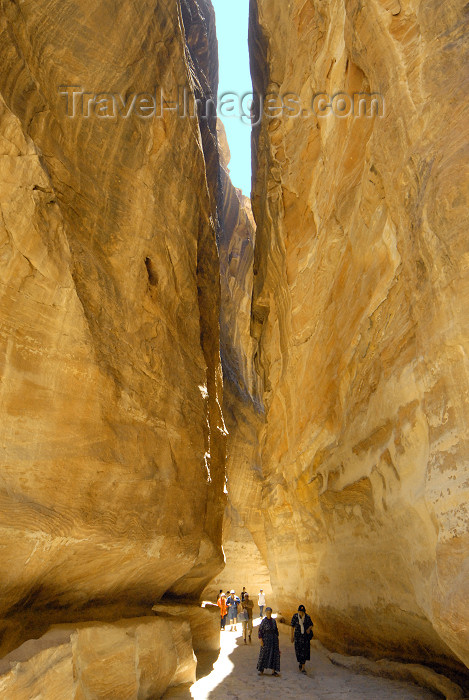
(132, 270)
(360, 313)
(113, 443)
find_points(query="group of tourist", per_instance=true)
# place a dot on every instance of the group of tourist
(234, 609)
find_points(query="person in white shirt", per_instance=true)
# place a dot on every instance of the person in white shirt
(261, 602)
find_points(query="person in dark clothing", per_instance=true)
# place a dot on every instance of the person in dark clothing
(269, 655)
(301, 635)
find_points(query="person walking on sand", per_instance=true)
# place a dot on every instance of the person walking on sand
(247, 607)
(221, 602)
(261, 602)
(301, 635)
(232, 603)
(269, 655)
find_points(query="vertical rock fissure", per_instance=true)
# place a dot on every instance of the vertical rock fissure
(244, 538)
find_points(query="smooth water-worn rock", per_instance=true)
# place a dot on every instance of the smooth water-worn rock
(125, 660)
(112, 441)
(204, 623)
(360, 312)
(411, 673)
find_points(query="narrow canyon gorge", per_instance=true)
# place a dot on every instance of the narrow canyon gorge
(201, 390)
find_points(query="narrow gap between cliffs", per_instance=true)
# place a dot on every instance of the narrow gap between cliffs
(235, 87)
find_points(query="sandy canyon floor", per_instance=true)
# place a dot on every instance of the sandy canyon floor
(234, 677)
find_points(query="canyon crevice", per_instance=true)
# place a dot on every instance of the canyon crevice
(180, 371)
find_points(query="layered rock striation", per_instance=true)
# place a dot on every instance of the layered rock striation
(360, 317)
(113, 443)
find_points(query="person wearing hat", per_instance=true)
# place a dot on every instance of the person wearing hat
(301, 635)
(232, 603)
(269, 655)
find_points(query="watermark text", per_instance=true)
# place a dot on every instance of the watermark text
(248, 107)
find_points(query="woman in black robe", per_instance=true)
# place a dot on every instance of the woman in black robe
(301, 634)
(269, 655)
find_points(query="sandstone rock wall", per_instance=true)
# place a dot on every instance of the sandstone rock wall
(112, 440)
(360, 312)
(129, 659)
(204, 623)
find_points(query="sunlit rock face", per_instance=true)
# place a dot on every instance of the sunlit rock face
(360, 311)
(112, 445)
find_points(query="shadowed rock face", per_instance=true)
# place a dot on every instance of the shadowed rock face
(112, 462)
(360, 314)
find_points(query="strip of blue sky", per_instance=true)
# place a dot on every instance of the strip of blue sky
(232, 29)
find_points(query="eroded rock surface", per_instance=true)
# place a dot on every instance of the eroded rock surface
(343, 333)
(360, 312)
(128, 659)
(112, 440)
(204, 623)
